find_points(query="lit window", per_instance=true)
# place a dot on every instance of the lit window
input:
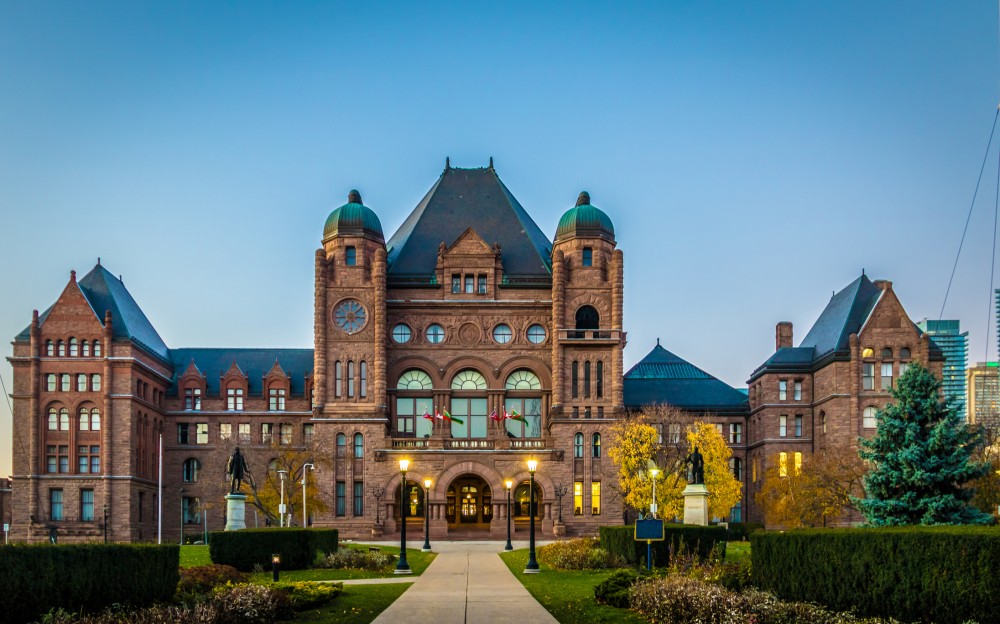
(782, 464)
(735, 433)
(596, 446)
(225, 431)
(401, 333)
(867, 376)
(578, 498)
(798, 463)
(276, 399)
(435, 334)
(782, 390)
(536, 334)
(588, 256)
(868, 352)
(266, 432)
(868, 420)
(595, 498)
(502, 333)
(782, 426)
(285, 434)
(822, 420)
(201, 433)
(351, 256)
(886, 375)
(244, 432)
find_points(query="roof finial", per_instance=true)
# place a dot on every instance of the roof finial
(354, 197)
(862, 270)
(98, 261)
(584, 198)
(447, 163)
(72, 276)
(491, 162)
(657, 342)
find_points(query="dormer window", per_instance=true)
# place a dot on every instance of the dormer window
(234, 399)
(351, 256)
(588, 256)
(192, 398)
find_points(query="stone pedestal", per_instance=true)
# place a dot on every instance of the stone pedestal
(696, 504)
(236, 509)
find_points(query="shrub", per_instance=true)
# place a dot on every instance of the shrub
(620, 541)
(297, 547)
(305, 595)
(740, 531)
(355, 559)
(199, 581)
(584, 553)
(83, 577)
(944, 574)
(614, 590)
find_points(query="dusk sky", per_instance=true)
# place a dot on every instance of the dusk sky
(754, 157)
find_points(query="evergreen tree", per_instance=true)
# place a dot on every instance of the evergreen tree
(920, 457)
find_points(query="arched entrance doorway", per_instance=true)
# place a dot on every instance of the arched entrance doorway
(469, 505)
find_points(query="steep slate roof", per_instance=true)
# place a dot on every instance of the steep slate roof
(663, 377)
(843, 316)
(105, 292)
(463, 198)
(214, 363)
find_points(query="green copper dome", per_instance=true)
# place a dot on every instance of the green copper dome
(353, 219)
(585, 220)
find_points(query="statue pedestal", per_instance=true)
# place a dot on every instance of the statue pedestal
(236, 509)
(696, 504)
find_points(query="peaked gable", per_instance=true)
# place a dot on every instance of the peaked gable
(665, 378)
(107, 292)
(70, 310)
(844, 315)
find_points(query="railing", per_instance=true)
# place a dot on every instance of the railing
(527, 444)
(469, 444)
(613, 335)
(409, 443)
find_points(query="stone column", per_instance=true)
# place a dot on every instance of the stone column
(558, 313)
(379, 313)
(617, 358)
(319, 331)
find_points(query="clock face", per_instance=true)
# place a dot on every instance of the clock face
(350, 316)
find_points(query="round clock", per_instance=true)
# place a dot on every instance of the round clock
(350, 316)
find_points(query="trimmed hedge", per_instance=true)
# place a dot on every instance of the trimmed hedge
(87, 577)
(947, 575)
(620, 540)
(740, 531)
(249, 547)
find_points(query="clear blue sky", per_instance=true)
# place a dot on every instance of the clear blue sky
(753, 156)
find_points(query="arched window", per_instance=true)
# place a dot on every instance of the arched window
(350, 378)
(904, 353)
(341, 445)
(95, 419)
(596, 445)
(49, 348)
(522, 500)
(737, 467)
(468, 380)
(85, 349)
(414, 379)
(74, 347)
(97, 348)
(868, 420)
(338, 376)
(61, 348)
(586, 380)
(523, 379)
(600, 380)
(64, 419)
(359, 446)
(868, 352)
(578, 446)
(364, 378)
(587, 318)
(84, 419)
(53, 419)
(191, 468)
(576, 379)
(887, 353)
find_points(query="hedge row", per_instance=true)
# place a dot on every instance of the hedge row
(620, 540)
(88, 577)
(249, 547)
(740, 531)
(941, 574)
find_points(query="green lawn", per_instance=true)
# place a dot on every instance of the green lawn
(194, 556)
(737, 551)
(359, 604)
(568, 594)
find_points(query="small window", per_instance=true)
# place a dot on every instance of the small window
(401, 333)
(868, 419)
(502, 333)
(74, 347)
(192, 398)
(782, 426)
(822, 421)
(798, 426)
(95, 419)
(364, 378)
(351, 256)
(588, 256)
(904, 354)
(350, 378)
(887, 353)
(435, 334)
(596, 446)
(481, 284)
(61, 346)
(797, 391)
(578, 446)
(97, 348)
(674, 433)
(536, 334)
(49, 348)
(886, 376)
(867, 376)
(266, 432)
(50, 382)
(468, 285)
(341, 500)
(81, 383)
(95, 382)
(244, 432)
(85, 349)
(868, 352)
(737, 467)
(735, 433)
(782, 390)
(797, 462)
(234, 399)
(456, 283)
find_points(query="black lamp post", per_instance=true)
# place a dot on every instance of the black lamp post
(275, 566)
(532, 567)
(402, 567)
(427, 518)
(105, 523)
(561, 490)
(508, 484)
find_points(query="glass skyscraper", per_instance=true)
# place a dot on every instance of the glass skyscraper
(954, 343)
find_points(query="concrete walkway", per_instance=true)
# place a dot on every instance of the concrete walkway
(467, 583)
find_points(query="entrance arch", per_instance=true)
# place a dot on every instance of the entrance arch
(469, 504)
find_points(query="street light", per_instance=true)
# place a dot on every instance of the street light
(305, 517)
(275, 566)
(282, 474)
(105, 523)
(652, 506)
(508, 484)
(427, 518)
(402, 567)
(532, 567)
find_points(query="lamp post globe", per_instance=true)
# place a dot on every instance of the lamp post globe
(427, 517)
(507, 485)
(532, 567)
(402, 566)
(652, 506)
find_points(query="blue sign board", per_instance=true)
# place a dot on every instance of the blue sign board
(650, 529)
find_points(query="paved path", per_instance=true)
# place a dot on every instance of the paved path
(467, 583)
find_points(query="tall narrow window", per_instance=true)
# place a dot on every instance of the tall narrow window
(576, 377)
(868, 376)
(782, 425)
(782, 390)
(674, 431)
(97, 348)
(307, 433)
(49, 348)
(341, 446)
(481, 284)
(83, 460)
(81, 383)
(50, 382)
(822, 421)
(578, 498)
(285, 434)
(84, 419)
(782, 464)
(61, 346)
(266, 432)
(64, 419)
(468, 285)
(797, 462)
(596, 446)
(364, 379)
(56, 505)
(53, 419)
(886, 375)
(588, 256)
(338, 379)
(595, 498)
(341, 502)
(63, 458)
(189, 470)
(201, 433)
(182, 433)
(600, 380)
(74, 347)
(797, 391)
(95, 419)
(456, 283)
(85, 349)
(359, 446)
(737, 467)
(95, 382)
(735, 433)
(350, 378)
(798, 426)
(359, 498)
(578, 446)
(350, 256)
(586, 380)
(51, 461)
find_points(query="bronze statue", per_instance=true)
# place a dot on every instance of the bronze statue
(697, 466)
(238, 470)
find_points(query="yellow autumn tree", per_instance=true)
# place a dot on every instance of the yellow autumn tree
(724, 490)
(814, 492)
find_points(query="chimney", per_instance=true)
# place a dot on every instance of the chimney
(885, 285)
(782, 335)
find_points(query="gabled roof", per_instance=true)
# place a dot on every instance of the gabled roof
(663, 377)
(105, 292)
(255, 363)
(844, 315)
(460, 199)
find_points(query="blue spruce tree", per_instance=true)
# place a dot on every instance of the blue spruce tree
(920, 459)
